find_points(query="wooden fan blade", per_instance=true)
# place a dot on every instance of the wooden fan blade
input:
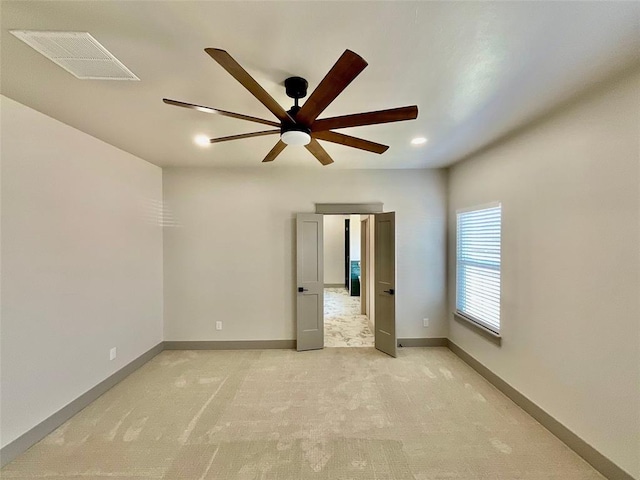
(275, 151)
(224, 113)
(349, 141)
(243, 135)
(369, 118)
(348, 67)
(320, 153)
(227, 62)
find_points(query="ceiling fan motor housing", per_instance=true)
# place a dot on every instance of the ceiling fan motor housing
(294, 127)
(296, 87)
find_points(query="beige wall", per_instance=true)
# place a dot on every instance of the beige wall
(81, 264)
(231, 255)
(569, 188)
(334, 249)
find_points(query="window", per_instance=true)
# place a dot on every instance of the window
(478, 266)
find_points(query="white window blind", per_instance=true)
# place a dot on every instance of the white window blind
(478, 266)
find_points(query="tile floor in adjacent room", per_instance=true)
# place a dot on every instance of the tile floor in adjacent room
(344, 325)
(332, 414)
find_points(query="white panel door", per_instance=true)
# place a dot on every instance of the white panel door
(385, 280)
(310, 282)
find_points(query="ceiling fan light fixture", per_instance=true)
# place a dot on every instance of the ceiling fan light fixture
(295, 137)
(419, 141)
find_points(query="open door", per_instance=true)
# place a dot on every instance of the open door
(385, 280)
(310, 282)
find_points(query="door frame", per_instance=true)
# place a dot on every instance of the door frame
(368, 209)
(364, 265)
(347, 251)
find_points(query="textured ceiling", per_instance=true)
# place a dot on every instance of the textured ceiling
(476, 70)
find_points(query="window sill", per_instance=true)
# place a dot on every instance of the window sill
(475, 326)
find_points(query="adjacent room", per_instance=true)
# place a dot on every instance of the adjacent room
(320, 240)
(347, 317)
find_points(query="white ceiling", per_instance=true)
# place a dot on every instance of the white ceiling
(476, 70)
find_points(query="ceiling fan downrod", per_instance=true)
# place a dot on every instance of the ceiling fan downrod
(296, 88)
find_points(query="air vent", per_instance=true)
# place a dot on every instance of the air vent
(78, 53)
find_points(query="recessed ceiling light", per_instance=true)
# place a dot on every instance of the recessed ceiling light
(202, 140)
(418, 141)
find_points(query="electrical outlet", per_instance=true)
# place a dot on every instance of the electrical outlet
(218, 325)
(113, 353)
(425, 322)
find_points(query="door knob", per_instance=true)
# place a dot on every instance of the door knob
(300, 289)
(391, 291)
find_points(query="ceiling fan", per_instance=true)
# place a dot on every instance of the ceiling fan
(299, 125)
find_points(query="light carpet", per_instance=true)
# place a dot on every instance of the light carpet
(344, 326)
(339, 413)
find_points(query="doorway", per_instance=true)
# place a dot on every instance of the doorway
(346, 320)
(310, 279)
